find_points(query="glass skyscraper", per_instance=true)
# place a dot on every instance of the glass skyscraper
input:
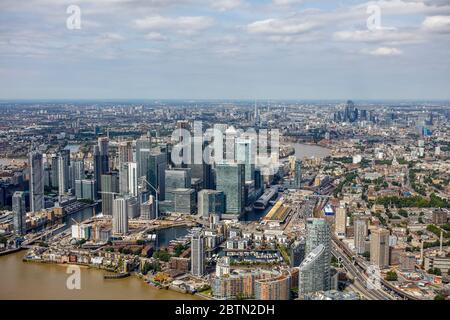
(231, 181)
(318, 233)
(36, 181)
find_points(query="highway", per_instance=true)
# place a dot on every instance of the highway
(359, 276)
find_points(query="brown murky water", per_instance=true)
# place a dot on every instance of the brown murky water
(25, 280)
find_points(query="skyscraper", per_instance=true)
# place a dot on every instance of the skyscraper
(123, 178)
(200, 168)
(211, 202)
(110, 183)
(198, 255)
(132, 179)
(231, 181)
(63, 172)
(156, 173)
(379, 247)
(177, 178)
(318, 232)
(54, 171)
(101, 161)
(341, 221)
(246, 154)
(125, 152)
(36, 181)
(361, 230)
(298, 174)
(120, 215)
(143, 149)
(19, 218)
(311, 272)
(76, 172)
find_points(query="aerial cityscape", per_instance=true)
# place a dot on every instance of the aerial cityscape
(184, 176)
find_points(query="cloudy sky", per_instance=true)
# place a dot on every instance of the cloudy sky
(233, 49)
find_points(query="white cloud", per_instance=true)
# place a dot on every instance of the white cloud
(383, 51)
(281, 27)
(440, 24)
(183, 24)
(225, 5)
(287, 2)
(378, 36)
(155, 36)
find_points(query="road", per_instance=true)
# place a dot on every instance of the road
(359, 276)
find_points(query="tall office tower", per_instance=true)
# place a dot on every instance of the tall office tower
(312, 271)
(97, 168)
(184, 200)
(246, 154)
(36, 181)
(379, 247)
(132, 179)
(143, 149)
(198, 255)
(318, 232)
(231, 181)
(125, 152)
(148, 209)
(110, 183)
(156, 175)
(297, 252)
(54, 169)
(120, 215)
(63, 172)
(88, 189)
(103, 146)
(177, 178)
(200, 168)
(18, 208)
(123, 178)
(361, 231)
(341, 221)
(298, 174)
(101, 160)
(78, 166)
(85, 189)
(231, 135)
(211, 202)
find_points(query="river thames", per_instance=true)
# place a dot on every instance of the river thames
(30, 280)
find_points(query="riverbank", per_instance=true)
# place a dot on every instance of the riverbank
(43, 281)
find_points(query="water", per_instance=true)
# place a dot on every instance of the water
(164, 236)
(27, 280)
(308, 151)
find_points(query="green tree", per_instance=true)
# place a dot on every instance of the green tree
(391, 276)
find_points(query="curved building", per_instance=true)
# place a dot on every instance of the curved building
(312, 273)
